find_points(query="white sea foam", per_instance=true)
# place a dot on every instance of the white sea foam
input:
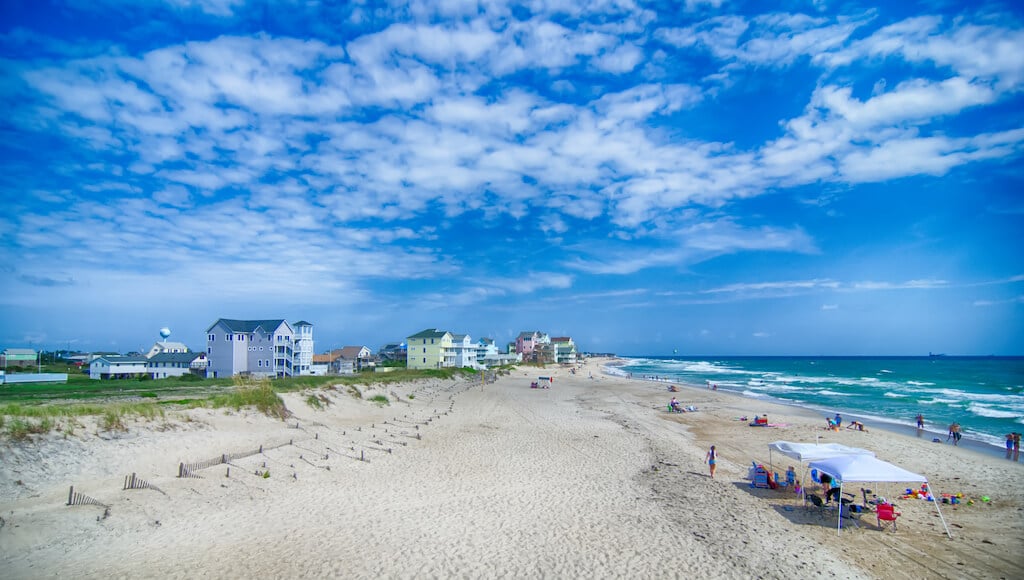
(892, 395)
(987, 411)
(984, 397)
(920, 384)
(939, 402)
(885, 371)
(832, 393)
(778, 388)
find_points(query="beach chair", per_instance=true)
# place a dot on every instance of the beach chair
(817, 504)
(886, 512)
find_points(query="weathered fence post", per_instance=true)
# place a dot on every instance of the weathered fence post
(71, 494)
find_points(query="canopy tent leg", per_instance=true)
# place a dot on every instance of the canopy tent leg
(937, 501)
(839, 520)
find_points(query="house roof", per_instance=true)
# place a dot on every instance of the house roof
(323, 358)
(167, 344)
(302, 323)
(562, 339)
(19, 351)
(486, 341)
(429, 333)
(351, 352)
(269, 325)
(116, 358)
(176, 357)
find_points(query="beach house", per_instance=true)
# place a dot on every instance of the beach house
(430, 349)
(529, 342)
(112, 366)
(19, 357)
(361, 357)
(465, 351)
(260, 348)
(303, 348)
(564, 350)
(176, 364)
(166, 346)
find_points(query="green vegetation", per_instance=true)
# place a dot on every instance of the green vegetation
(380, 399)
(260, 395)
(27, 409)
(318, 401)
(19, 429)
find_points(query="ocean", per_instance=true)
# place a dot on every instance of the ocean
(984, 394)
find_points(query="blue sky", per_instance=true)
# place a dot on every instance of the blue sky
(707, 176)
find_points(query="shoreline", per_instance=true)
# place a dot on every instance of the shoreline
(870, 422)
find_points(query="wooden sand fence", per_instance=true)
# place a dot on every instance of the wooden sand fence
(135, 482)
(76, 498)
(192, 469)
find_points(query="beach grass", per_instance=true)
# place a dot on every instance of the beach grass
(35, 409)
(260, 395)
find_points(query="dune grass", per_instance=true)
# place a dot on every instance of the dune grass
(25, 412)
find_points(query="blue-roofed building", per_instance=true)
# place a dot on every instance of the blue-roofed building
(259, 348)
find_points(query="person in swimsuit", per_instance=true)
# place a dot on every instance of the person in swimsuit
(711, 459)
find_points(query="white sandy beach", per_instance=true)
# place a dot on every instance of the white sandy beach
(591, 478)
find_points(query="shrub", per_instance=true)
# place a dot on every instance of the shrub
(113, 421)
(380, 400)
(315, 402)
(260, 395)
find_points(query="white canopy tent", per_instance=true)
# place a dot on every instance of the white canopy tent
(804, 452)
(867, 468)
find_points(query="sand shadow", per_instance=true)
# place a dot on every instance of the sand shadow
(804, 513)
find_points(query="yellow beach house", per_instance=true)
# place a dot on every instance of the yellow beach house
(430, 349)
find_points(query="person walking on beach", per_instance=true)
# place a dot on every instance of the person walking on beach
(954, 432)
(1016, 446)
(1009, 445)
(711, 458)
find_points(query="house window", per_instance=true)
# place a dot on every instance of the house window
(261, 349)
(212, 337)
(424, 361)
(209, 350)
(259, 363)
(227, 336)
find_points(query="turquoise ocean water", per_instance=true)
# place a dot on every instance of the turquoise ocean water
(984, 394)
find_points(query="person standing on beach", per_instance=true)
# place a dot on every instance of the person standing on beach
(1009, 445)
(839, 421)
(920, 421)
(711, 458)
(954, 432)
(1016, 446)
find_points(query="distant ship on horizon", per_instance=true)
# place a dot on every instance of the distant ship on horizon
(935, 355)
